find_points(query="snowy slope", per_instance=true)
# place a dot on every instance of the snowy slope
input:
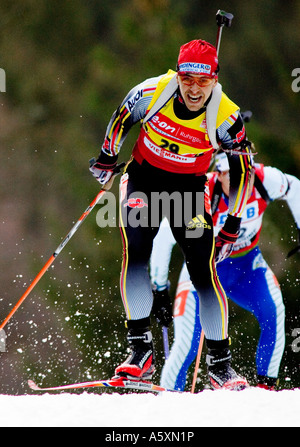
(252, 407)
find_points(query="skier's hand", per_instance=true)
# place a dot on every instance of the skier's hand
(223, 250)
(226, 238)
(102, 172)
(296, 249)
(105, 168)
(162, 307)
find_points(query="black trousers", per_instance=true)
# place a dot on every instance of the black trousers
(147, 194)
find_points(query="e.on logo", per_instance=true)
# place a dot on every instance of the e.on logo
(2, 80)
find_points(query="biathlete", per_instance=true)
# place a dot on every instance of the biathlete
(247, 279)
(171, 156)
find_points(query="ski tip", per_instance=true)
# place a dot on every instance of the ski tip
(33, 385)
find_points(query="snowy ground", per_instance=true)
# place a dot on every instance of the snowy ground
(249, 408)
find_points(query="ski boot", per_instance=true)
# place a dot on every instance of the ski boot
(140, 365)
(220, 372)
(266, 383)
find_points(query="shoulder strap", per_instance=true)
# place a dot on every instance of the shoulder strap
(212, 113)
(163, 98)
(261, 189)
(216, 197)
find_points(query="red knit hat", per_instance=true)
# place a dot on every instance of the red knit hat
(198, 57)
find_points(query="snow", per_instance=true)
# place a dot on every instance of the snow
(249, 408)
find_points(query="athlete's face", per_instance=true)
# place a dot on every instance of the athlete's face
(195, 90)
(224, 178)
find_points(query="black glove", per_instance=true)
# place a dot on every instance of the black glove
(103, 168)
(296, 249)
(227, 237)
(162, 307)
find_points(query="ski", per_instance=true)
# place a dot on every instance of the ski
(115, 382)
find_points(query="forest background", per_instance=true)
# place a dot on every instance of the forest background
(68, 65)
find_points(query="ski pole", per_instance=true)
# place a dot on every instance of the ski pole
(61, 246)
(223, 19)
(198, 361)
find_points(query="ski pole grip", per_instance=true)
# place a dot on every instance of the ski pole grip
(224, 18)
(116, 171)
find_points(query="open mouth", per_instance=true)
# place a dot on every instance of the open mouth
(194, 99)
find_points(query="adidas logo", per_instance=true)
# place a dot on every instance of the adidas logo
(198, 222)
